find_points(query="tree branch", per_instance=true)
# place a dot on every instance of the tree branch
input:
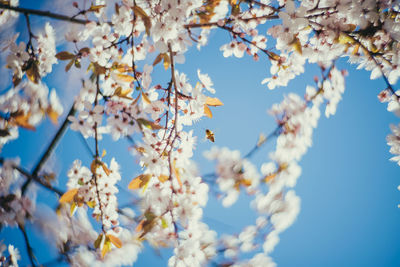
(44, 14)
(28, 245)
(49, 149)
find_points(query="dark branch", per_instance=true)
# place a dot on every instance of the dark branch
(49, 149)
(44, 14)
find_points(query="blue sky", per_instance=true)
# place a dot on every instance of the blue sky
(348, 186)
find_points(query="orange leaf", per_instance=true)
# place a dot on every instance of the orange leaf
(135, 184)
(207, 111)
(139, 227)
(166, 61)
(146, 98)
(68, 196)
(22, 120)
(105, 169)
(176, 172)
(115, 240)
(213, 101)
(158, 59)
(270, 177)
(139, 181)
(53, 116)
(163, 178)
(106, 248)
(124, 78)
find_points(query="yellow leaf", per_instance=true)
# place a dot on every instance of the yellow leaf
(139, 181)
(345, 39)
(73, 208)
(246, 182)
(355, 50)
(122, 68)
(213, 101)
(33, 73)
(176, 172)
(104, 153)
(68, 196)
(135, 184)
(146, 98)
(297, 46)
(124, 78)
(269, 178)
(163, 178)
(22, 121)
(158, 59)
(207, 111)
(53, 116)
(106, 248)
(96, 8)
(139, 227)
(146, 20)
(166, 61)
(115, 240)
(93, 166)
(91, 204)
(105, 169)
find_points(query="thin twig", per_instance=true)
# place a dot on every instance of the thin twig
(44, 14)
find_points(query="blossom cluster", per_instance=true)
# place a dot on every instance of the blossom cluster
(122, 44)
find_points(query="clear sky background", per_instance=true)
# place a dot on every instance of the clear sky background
(348, 186)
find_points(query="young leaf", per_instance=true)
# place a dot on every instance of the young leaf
(115, 240)
(105, 169)
(146, 98)
(167, 61)
(176, 172)
(106, 248)
(158, 59)
(163, 178)
(96, 8)
(53, 116)
(297, 46)
(22, 120)
(68, 196)
(139, 181)
(149, 124)
(124, 78)
(72, 208)
(146, 19)
(33, 73)
(207, 111)
(65, 55)
(69, 65)
(97, 243)
(213, 101)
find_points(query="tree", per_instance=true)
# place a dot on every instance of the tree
(133, 91)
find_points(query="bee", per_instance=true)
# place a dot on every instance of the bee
(210, 135)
